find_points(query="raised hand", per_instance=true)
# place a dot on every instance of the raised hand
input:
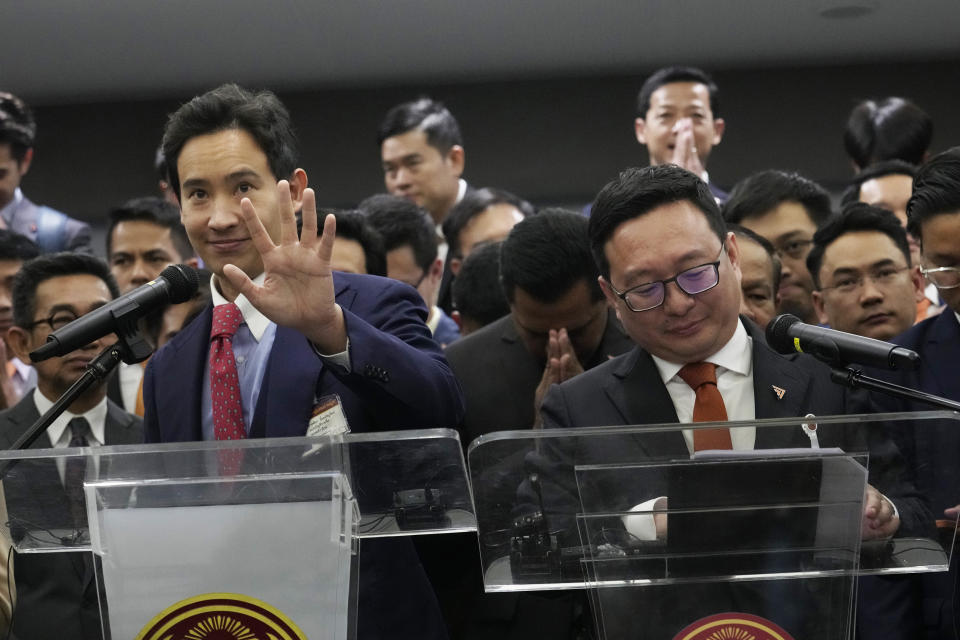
(297, 291)
(561, 365)
(685, 153)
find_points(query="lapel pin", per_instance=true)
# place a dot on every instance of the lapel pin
(779, 391)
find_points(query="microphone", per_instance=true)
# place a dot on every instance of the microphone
(787, 334)
(177, 283)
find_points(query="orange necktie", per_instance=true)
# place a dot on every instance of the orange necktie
(709, 407)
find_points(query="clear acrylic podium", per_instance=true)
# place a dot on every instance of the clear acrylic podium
(265, 533)
(671, 545)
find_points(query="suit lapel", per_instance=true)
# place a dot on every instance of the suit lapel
(180, 397)
(779, 391)
(941, 355)
(640, 396)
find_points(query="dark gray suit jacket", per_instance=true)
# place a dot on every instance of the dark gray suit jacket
(628, 391)
(52, 230)
(499, 377)
(56, 592)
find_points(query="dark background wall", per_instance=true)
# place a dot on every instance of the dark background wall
(553, 140)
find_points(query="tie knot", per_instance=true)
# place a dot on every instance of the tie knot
(226, 320)
(79, 432)
(697, 374)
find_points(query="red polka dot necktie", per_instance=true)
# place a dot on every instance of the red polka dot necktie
(224, 383)
(708, 407)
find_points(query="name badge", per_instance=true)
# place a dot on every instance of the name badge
(328, 418)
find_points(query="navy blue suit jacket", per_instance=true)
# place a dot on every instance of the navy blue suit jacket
(399, 379)
(932, 450)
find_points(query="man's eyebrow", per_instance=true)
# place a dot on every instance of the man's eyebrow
(241, 174)
(63, 307)
(194, 182)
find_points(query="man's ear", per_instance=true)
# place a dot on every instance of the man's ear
(436, 269)
(298, 182)
(733, 253)
(457, 318)
(612, 298)
(640, 130)
(719, 126)
(917, 279)
(819, 308)
(455, 264)
(456, 159)
(24, 165)
(18, 339)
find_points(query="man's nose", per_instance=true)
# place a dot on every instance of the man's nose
(676, 302)
(226, 213)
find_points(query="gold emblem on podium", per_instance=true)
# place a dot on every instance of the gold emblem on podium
(733, 626)
(221, 616)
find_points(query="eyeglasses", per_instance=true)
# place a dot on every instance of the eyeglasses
(881, 277)
(796, 249)
(943, 277)
(57, 321)
(650, 295)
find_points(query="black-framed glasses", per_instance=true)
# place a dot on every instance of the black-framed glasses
(943, 277)
(57, 321)
(853, 282)
(650, 295)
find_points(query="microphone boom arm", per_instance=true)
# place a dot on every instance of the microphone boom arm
(854, 378)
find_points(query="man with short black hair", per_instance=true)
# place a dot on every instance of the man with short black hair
(478, 299)
(558, 325)
(934, 219)
(760, 275)
(299, 331)
(484, 215)
(144, 237)
(358, 247)
(678, 120)
(421, 150)
(864, 281)
(54, 599)
(410, 241)
(671, 270)
(50, 229)
(786, 209)
(887, 129)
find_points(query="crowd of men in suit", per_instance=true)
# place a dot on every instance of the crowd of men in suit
(493, 314)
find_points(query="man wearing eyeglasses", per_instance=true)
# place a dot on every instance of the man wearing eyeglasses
(863, 277)
(671, 271)
(56, 593)
(786, 209)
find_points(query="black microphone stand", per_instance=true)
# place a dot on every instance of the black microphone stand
(854, 378)
(131, 347)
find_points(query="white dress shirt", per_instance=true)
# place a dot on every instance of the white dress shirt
(734, 381)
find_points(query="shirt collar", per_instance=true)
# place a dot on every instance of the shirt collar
(23, 369)
(97, 417)
(7, 212)
(461, 190)
(736, 356)
(256, 322)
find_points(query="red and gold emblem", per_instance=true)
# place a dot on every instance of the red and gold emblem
(221, 616)
(733, 626)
